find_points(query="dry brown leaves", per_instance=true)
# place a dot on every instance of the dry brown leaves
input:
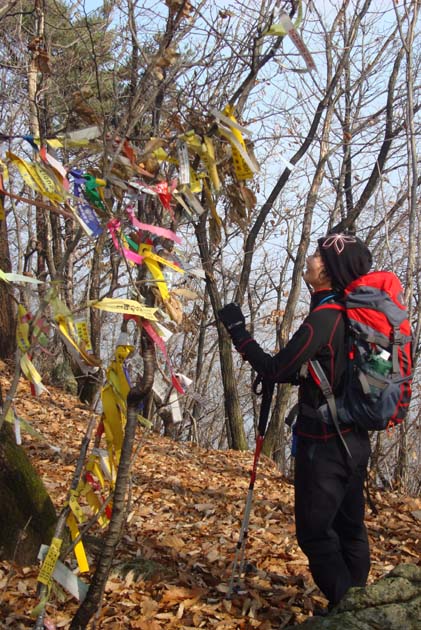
(174, 561)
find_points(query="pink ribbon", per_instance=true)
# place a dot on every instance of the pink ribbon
(113, 226)
(153, 229)
(147, 326)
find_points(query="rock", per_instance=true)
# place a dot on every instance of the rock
(391, 603)
(62, 376)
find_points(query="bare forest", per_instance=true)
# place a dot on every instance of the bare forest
(161, 159)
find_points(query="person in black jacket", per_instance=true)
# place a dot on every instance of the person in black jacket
(329, 484)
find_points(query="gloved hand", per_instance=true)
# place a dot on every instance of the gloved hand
(231, 316)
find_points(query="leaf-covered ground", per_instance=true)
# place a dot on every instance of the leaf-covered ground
(174, 561)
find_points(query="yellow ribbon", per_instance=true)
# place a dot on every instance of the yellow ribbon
(22, 329)
(18, 277)
(195, 183)
(212, 205)
(32, 374)
(36, 176)
(93, 466)
(244, 166)
(75, 507)
(80, 553)
(114, 396)
(94, 503)
(206, 151)
(68, 331)
(208, 157)
(50, 185)
(153, 262)
(83, 335)
(54, 143)
(24, 168)
(50, 561)
(120, 305)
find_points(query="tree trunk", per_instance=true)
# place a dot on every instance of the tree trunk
(274, 444)
(401, 468)
(27, 515)
(233, 419)
(89, 384)
(7, 310)
(136, 395)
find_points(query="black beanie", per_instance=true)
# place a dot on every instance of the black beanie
(345, 257)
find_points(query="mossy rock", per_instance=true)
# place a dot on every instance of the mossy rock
(391, 603)
(63, 377)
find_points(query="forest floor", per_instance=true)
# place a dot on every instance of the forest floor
(174, 561)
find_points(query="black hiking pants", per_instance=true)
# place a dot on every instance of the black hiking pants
(329, 511)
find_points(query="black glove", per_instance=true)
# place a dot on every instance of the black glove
(231, 316)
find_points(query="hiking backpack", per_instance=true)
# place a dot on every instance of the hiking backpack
(378, 375)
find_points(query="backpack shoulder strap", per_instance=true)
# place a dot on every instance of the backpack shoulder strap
(321, 380)
(318, 375)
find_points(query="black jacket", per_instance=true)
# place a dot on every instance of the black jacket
(321, 336)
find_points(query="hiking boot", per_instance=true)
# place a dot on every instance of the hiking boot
(320, 611)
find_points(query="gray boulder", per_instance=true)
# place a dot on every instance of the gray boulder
(392, 603)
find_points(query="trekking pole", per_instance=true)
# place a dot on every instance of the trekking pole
(239, 558)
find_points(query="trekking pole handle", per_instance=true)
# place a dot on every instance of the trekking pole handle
(267, 393)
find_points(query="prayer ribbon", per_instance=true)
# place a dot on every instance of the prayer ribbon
(286, 27)
(244, 166)
(68, 332)
(114, 228)
(84, 210)
(50, 562)
(125, 306)
(153, 229)
(79, 549)
(56, 165)
(32, 374)
(33, 202)
(37, 177)
(22, 329)
(18, 277)
(158, 341)
(114, 397)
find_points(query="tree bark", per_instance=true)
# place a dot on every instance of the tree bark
(7, 309)
(136, 396)
(275, 435)
(27, 515)
(88, 385)
(236, 436)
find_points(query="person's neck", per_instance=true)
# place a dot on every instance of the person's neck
(320, 296)
(322, 287)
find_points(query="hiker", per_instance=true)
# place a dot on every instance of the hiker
(329, 484)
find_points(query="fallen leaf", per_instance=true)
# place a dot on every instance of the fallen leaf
(173, 541)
